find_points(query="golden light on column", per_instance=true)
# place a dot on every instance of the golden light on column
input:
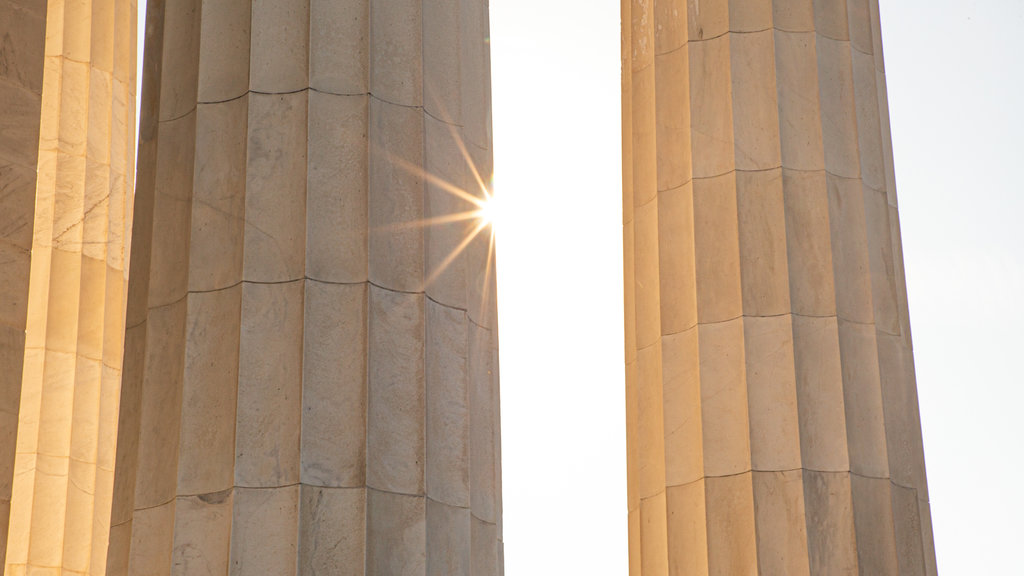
(64, 461)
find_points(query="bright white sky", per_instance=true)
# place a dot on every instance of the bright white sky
(955, 79)
(955, 92)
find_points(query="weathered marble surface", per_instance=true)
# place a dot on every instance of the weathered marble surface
(771, 403)
(310, 382)
(64, 458)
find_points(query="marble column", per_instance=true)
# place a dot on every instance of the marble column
(310, 375)
(772, 411)
(23, 26)
(69, 385)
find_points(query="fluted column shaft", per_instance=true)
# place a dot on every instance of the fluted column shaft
(771, 403)
(310, 373)
(64, 463)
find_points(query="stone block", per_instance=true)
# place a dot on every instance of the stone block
(873, 518)
(711, 104)
(179, 69)
(755, 108)
(206, 456)
(275, 194)
(830, 19)
(819, 388)
(869, 128)
(881, 256)
(838, 109)
(218, 218)
(723, 398)
(762, 243)
(447, 402)
(707, 20)
(152, 539)
(809, 243)
(910, 554)
(449, 543)
(396, 534)
(644, 141)
(793, 15)
(670, 26)
(716, 244)
(395, 443)
(646, 280)
(339, 36)
(780, 521)
(279, 53)
(650, 422)
(332, 531)
(749, 16)
(687, 535)
(768, 346)
(482, 426)
(336, 188)
(172, 211)
(654, 550)
(269, 385)
(681, 385)
(160, 414)
(677, 272)
(732, 542)
(850, 250)
(396, 51)
(202, 534)
(396, 196)
(831, 537)
(448, 220)
(672, 117)
(865, 422)
(442, 70)
(224, 50)
(796, 78)
(265, 531)
(333, 439)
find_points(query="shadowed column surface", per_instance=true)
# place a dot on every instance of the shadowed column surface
(772, 411)
(310, 376)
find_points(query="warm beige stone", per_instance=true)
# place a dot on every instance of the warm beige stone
(279, 53)
(831, 540)
(275, 211)
(333, 439)
(781, 368)
(265, 531)
(395, 420)
(336, 202)
(396, 534)
(269, 385)
(218, 200)
(338, 40)
(873, 517)
(678, 293)
(448, 404)
(206, 455)
(331, 533)
(224, 43)
(781, 528)
(322, 368)
(202, 534)
(449, 544)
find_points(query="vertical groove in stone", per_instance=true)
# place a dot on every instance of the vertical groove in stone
(782, 419)
(312, 316)
(63, 476)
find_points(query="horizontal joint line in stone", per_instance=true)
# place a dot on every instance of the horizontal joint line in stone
(774, 28)
(800, 469)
